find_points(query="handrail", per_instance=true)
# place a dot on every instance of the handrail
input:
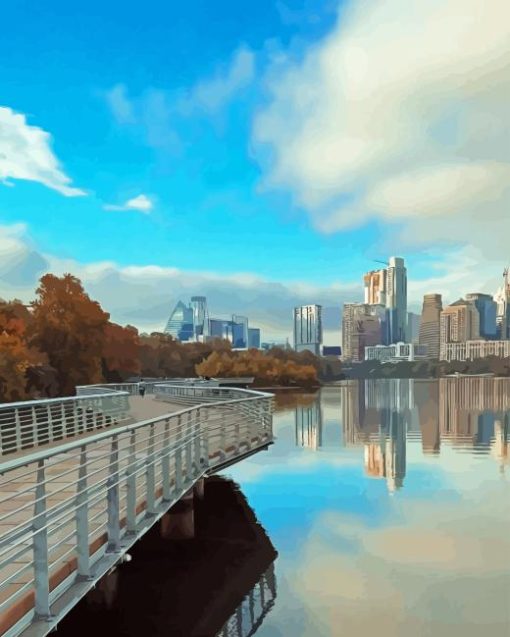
(72, 510)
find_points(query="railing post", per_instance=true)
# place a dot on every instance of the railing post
(197, 441)
(17, 425)
(35, 440)
(112, 499)
(40, 547)
(82, 518)
(189, 446)
(165, 463)
(131, 486)
(178, 457)
(150, 473)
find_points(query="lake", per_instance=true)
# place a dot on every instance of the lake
(382, 508)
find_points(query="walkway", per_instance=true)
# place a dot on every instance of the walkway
(70, 508)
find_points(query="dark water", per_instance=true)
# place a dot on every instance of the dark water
(383, 508)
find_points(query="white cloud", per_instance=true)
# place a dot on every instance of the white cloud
(140, 203)
(144, 296)
(399, 115)
(25, 153)
(213, 93)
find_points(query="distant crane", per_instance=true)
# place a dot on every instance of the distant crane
(379, 261)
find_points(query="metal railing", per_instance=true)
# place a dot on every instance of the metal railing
(253, 609)
(70, 512)
(34, 423)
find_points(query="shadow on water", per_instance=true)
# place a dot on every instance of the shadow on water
(219, 582)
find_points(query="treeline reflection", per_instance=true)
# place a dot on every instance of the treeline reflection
(382, 416)
(221, 582)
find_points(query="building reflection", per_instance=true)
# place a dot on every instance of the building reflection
(309, 423)
(219, 583)
(384, 415)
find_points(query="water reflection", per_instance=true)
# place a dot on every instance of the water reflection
(382, 416)
(219, 583)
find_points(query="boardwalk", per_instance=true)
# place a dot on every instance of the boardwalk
(70, 508)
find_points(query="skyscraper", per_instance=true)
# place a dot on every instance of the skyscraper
(180, 323)
(362, 325)
(413, 327)
(430, 324)
(502, 298)
(239, 331)
(487, 308)
(396, 299)
(200, 317)
(460, 322)
(375, 287)
(308, 328)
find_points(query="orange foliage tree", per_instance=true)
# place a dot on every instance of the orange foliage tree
(266, 369)
(71, 329)
(121, 353)
(16, 357)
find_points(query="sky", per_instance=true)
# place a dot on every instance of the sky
(263, 154)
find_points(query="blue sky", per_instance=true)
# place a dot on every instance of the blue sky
(277, 143)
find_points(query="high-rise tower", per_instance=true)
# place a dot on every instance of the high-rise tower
(430, 323)
(308, 328)
(200, 317)
(396, 299)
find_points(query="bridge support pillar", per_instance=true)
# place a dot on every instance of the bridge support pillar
(179, 522)
(198, 489)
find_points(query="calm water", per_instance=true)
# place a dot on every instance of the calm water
(384, 509)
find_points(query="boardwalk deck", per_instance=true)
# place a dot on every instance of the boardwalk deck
(81, 502)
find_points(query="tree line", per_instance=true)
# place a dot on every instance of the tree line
(64, 338)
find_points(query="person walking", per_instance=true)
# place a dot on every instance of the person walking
(141, 387)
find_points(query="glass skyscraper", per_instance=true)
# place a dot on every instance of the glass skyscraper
(180, 323)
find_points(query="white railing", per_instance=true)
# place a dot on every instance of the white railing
(34, 423)
(70, 512)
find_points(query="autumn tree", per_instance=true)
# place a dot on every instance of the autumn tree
(16, 356)
(71, 329)
(120, 357)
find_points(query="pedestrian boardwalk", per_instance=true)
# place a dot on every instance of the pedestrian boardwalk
(76, 497)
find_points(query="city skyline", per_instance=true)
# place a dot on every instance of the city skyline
(194, 169)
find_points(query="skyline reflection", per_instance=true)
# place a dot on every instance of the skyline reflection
(382, 416)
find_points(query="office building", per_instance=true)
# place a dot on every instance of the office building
(200, 317)
(332, 350)
(308, 328)
(396, 299)
(375, 287)
(460, 322)
(502, 298)
(487, 309)
(180, 323)
(239, 331)
(395, 352)
(413, 327)
(362, 325)
(473, 349)
(254, 337)
(430, 324)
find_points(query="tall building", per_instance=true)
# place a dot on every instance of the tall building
(362, 326)
(502, 298)
(430, 324)
(460, 322)
(180, 323)
(396, 299)
(254, 337)
(239, 331)
(487, 308)
(413, 327)
(308, 328)
(375, 287)
(200, 317)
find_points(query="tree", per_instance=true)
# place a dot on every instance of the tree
(16, 357)
(121, 353)
(70, 328)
